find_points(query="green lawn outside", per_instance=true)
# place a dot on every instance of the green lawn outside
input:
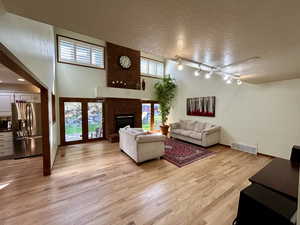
(146, 126)
(78, 130)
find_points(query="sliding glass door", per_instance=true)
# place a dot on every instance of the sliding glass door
(157, 117)
(95, 120)
(146, 116)
(81, 120)
(73, 121)
(151, 116)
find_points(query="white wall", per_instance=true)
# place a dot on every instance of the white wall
(79, 81)
(33, 44)
(267, 115)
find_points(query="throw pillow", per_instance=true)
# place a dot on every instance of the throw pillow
(190, 125)
(182, 124)
(199, 126)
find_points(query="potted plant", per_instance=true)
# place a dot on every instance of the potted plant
(165, 92)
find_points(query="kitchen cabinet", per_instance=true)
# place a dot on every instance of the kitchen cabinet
(6, 144)
(5, 103)
(7, 98)
(28, 97)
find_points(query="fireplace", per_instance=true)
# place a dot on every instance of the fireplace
(123, 121)
(118, 110)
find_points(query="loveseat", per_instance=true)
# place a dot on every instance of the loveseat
(200, 133)
(141, 146)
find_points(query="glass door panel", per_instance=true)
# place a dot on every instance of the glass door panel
(95, 120)
(146, 116)
(157, 117)
(73, 121)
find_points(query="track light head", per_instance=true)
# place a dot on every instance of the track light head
(226, 77)
(197, 73)
(180, 67)
(229, 81)
(208, 75)
(179, 64)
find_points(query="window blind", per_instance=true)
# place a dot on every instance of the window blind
(80, 53)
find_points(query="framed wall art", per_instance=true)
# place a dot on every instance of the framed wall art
(201, 106)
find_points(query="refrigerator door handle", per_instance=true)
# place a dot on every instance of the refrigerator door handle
(29, 119)
(33, 119)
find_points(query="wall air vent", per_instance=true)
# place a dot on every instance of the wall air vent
(245, 148)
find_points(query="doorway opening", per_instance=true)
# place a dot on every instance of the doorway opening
(31, 124)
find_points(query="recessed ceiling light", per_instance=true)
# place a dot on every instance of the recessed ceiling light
(20, 79)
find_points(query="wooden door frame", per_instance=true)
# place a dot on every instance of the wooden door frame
(85, 139)
(13, 63)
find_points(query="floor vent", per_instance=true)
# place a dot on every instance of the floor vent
(244, 148)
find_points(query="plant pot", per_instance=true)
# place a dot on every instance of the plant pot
(164, 129)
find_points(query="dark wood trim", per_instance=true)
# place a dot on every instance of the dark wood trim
(62, 121)
(227, 146)
(84, 104)
(122, 99)
(272, 157)
(149, 101)
(78, 99)
(153, 77)
(153, 59)
(53, 104)
(81, 141)
(152, 117)
(45, 128)
(90, 43)
(14, 64)
(85, 126)
(75, 64)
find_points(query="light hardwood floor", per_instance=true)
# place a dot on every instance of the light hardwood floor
(97, 184)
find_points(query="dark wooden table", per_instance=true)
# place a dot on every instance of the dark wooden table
(281, 176)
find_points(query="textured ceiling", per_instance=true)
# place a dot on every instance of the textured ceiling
(216, 32)
(9, 77)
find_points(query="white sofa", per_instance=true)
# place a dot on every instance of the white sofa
(141, 146)
(200, 133)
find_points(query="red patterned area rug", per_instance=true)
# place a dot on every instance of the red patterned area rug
(182, 153)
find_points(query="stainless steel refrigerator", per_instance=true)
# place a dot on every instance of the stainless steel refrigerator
(27, 129)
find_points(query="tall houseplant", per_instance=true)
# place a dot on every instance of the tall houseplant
(165, 92)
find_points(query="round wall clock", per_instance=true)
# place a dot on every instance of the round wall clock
(125, 62)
